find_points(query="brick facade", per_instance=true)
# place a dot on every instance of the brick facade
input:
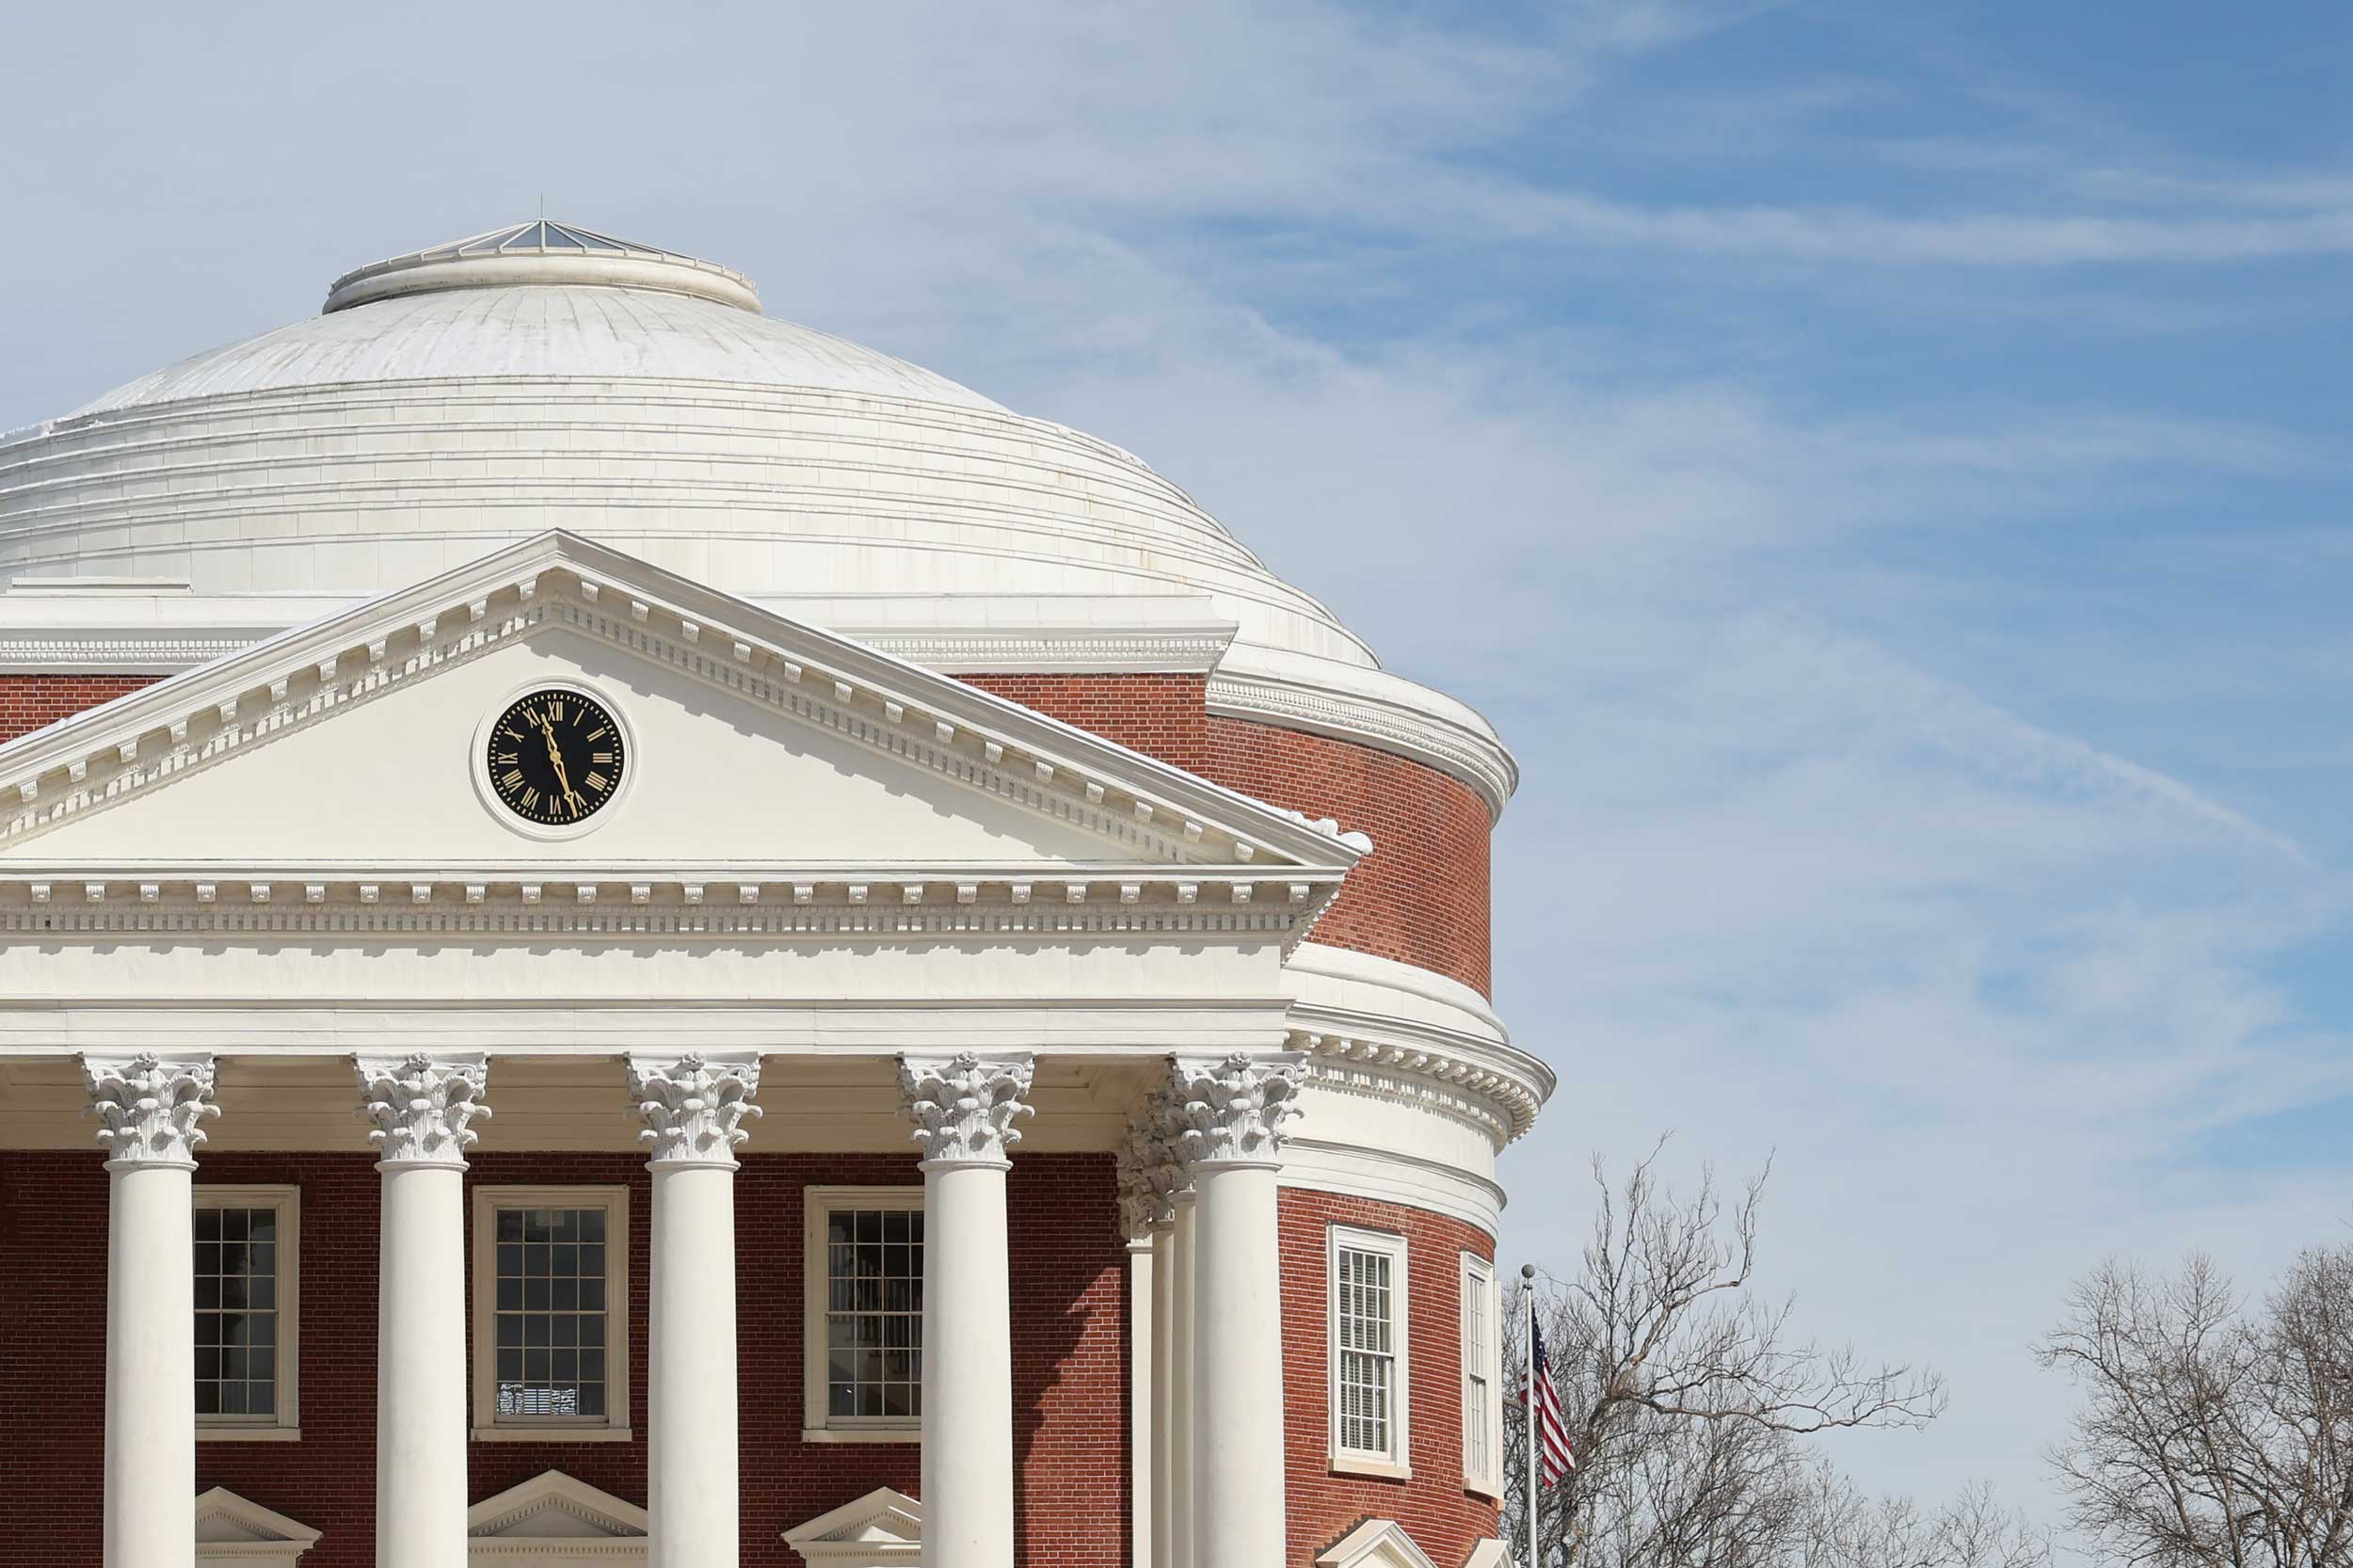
(1444, 1519)
(30, 702)
(1070, 1333)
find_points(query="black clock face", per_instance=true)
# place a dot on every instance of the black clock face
(554, 757)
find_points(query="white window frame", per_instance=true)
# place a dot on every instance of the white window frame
(613, 1426)
(1396, 1461)
(817, 1424)
(1482, 1362)
(284, 1424)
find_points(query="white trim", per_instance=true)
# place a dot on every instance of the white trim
(1477, 1271)
(817, 1424)
(488, 1426)
(1489, 1553)
(284, 1424)
(1396, 1461)
(510, 1529)
(478, 771)
(1141, 1266)
(1375, 1544)
(236, 1532)
(882, 1529)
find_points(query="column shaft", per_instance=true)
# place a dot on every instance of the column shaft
(690, 1400)
(1161, 1392)
(1184, 1387)
(421, 1425)
(967, 1370)
(149, 1515)
(1238, 1408)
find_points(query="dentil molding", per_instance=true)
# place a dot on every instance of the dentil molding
(964, 1106)
(420, 1104)
(152, 1107)
(1230, 1109)
(692, 1105)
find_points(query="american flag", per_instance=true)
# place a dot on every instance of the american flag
(1552, 1433)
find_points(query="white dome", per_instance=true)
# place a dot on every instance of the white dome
(460, 399)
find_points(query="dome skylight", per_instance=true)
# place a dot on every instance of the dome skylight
(541, 252)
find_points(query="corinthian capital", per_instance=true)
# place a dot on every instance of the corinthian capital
(692, 1105)
(1230, 1109)
(1151, 1171)
(964, 1106)
(420, 1104)
(152, 1107)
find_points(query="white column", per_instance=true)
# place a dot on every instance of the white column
(964, 1107)
(1150, 1175)
(150, 1108)
(1233, 1112)
(692, 1106)
(1181, 1388)
(419, 1105)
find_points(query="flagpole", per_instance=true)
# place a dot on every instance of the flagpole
(1527, 1384)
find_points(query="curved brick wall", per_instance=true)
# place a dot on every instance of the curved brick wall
(30, 702)
(1445, 1520)
(1421, 897)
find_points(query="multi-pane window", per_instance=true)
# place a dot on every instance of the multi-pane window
(865, 1285)
(1482, 1357)
(244, 1261)
(549, 1272)
(1367, 1306)
(550, 1333)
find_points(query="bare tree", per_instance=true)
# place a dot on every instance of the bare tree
(2210, 1434)
(1693, 1404)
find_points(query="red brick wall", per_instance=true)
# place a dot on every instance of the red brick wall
(1069, 1311)
(1445, 1520)
(30, 702)
(1421, 897)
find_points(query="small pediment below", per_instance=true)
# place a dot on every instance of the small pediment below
(1489, 1553)
(1375, 1544)
(235, 1532)
(554, 1508)
(885, 1527)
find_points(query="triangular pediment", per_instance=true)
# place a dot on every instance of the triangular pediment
(359, 744)
(236, 1532)
(1374, 1544)
(554, 1507)
(1489, 1553)
(883, 1527)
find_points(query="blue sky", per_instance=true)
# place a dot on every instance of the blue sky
(1880, 463)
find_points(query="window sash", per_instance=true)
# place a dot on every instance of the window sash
(245, 1325)
(551, 1310)
(1482, 1426)
(862, 1318)
(1368, 1282)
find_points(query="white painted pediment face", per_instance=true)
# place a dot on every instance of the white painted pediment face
(883, 1528)
(1375, 1544)
(234, 1532)
(558, 1510)
(709, 778)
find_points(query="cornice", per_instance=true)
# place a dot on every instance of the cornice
(1479, 1081)
(1473, 756)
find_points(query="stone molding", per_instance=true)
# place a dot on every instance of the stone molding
(692, 1106)
(1231, 1111)
(419, 1104)
(1151, 1171)
(152, 1107)
(964, 1106)
(1287, 702)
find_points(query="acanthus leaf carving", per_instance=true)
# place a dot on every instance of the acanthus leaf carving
(1230, 1109)
(964, 1106)
(693, 1106)
(420, 1104)
(152, 1108)
(1151, 1170)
